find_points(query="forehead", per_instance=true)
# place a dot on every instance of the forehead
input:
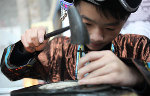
(90, 11)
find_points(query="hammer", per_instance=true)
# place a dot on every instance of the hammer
(79, 33)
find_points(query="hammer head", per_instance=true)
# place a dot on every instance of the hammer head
(79, 33)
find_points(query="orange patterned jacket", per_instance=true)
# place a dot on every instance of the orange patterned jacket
(57, 61)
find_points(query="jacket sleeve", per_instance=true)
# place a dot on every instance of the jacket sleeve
(137, 49)
(16, 63)
(139, 65)
(144, 69)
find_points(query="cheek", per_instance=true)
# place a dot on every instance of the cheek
(117, 32)
(109, 36)
(92, 29)
(89, 31)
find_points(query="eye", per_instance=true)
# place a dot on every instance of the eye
(88, 24)
(110, 29)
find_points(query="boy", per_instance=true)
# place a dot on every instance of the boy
(112, 58)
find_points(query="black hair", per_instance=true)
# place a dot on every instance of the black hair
(109, 7)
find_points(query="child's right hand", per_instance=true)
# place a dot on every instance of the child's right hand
(33, 39)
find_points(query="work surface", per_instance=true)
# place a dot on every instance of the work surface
(82, 90)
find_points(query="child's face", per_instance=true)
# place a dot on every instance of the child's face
(102, 30)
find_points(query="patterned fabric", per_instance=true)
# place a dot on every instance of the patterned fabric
(58, 61)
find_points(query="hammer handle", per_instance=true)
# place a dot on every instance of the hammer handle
(56, 32)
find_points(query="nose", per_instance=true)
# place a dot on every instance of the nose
(96, 35)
